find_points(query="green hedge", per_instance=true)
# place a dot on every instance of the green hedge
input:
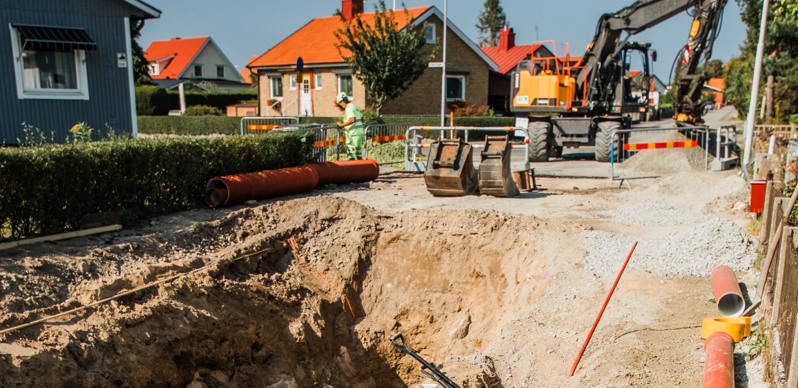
(49, 189)
(152, 100)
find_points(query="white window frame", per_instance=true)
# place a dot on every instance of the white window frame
(340, 89)
(81, 75)
(271, 88)
(202, 70)
(292, 82)
(462, 79)
(224, 71)
(429, 29)
(317, 84)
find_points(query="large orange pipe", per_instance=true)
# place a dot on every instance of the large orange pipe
(728, 295)
(233, 189)
(719, 364)
(347, 171)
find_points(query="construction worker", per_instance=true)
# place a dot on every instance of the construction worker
(352, 126)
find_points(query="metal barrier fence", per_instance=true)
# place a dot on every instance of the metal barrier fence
(719, 144)
(265, 124)
(382, 134)
(415, 144)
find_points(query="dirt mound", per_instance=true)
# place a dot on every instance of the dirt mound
(268, 318)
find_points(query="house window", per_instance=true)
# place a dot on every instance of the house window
(455, 88)
(198, 70)
(317, 81)
(345, 84)
(45, 70)
(292, 81)
(276, 87)
(429, 33)
(219, 71)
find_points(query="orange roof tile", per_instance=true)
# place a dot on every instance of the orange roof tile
(507, 60)
(315, 41)
(183, 49)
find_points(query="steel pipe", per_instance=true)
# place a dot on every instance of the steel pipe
(728, 296)
(233, 189)
(719, 363)
(346, 171)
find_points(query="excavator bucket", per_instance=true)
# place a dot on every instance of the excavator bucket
(450, 169)
(495, 175)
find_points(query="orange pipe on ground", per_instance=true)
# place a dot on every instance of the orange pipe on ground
(346, 171)
(719, 364)
(232, 189)
(728, 295)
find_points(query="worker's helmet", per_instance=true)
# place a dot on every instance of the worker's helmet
(341, 97)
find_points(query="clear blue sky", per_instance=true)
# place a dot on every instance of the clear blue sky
(244, 28)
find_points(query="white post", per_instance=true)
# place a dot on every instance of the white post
(443, 74)
(134, 125)
(182, 93)
(749, 119)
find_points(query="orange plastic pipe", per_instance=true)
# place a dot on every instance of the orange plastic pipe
(346, 171)
(719, 364)
(233, 189)
(728, 296)
(604, 306)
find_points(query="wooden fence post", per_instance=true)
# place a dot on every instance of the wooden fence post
(767, 213)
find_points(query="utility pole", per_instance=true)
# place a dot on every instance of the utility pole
(443, 75)
(749, 119)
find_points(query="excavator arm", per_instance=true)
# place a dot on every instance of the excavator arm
(600, 72)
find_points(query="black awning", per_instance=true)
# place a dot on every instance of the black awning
(54, 38)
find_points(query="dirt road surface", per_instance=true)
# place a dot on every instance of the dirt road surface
(499, 292)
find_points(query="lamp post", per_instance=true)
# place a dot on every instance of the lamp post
(443, 74)
(749, 119)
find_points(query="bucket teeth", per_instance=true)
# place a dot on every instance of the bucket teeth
(450, 169)
(495, 176)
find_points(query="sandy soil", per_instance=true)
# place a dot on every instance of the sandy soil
(497, 291)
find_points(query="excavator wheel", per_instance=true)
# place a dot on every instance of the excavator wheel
(538, 150)
(495, 175)
(606, 139)
(450, 169)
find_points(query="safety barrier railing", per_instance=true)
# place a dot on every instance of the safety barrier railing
(383, 134)
(415, 143)
(720, 145)
(258, 124)
(628, 142)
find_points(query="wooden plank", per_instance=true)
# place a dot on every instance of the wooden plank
(788, 283)
(772, 247)
(767, 214)
(779, 279)
(61, 236)
(792, 368)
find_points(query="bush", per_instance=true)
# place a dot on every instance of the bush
(49, 189)
(202, 110)
(189, 125)
(154, 101)
(151, 100)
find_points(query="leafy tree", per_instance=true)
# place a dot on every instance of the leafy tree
(781, 47)
(491, 21)
(385, 59)
(714, 68)
(141, 74)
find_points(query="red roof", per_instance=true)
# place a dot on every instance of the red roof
(183, 49)
(315, 41)
(507, 60)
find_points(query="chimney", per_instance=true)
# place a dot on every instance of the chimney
(350, 8)
(506, 39)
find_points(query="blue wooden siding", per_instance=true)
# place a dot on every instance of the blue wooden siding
(108, 84)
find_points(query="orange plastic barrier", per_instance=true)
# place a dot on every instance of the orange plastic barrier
(670, 144)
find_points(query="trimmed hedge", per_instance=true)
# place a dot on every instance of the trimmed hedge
(51, 188)
(152, 100)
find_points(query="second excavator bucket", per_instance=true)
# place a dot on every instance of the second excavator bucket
(495, 175)
(450, 169)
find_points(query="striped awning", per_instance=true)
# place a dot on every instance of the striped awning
(54, 38)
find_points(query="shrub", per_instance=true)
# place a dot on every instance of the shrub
(48, 189)
(151, 100)
(202, 110)
(189, 125)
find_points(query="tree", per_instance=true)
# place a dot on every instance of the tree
(714, 68)
(491, 21)
(385, 59)
(141, 73)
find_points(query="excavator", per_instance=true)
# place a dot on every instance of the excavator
(584, 103)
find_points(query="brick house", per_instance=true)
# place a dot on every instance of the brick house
(506, 56)
(177, 60)
(325, 74)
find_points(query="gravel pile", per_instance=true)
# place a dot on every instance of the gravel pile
(694, 250)
(653, 214)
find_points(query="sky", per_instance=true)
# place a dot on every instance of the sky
(245, 28)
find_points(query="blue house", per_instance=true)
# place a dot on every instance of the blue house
(65, 62)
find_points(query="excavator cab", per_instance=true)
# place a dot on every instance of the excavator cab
(450, 169)
(543, 83)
